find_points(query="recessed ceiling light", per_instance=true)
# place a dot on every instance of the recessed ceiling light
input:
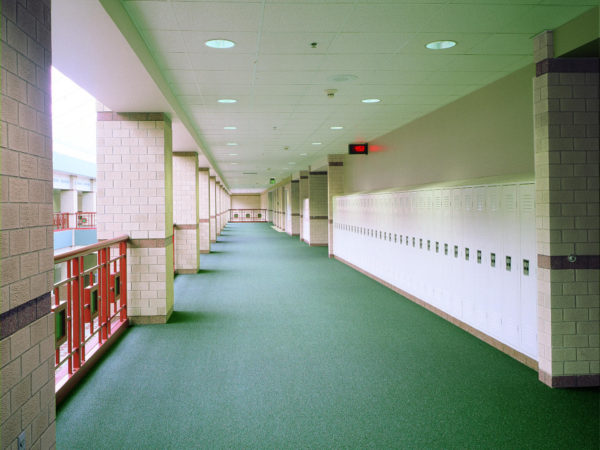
(336, 128)
(233, 154)
(234, 163)
(440, 45)
(232, 143)
(230, 128)
(343, 77)
(220, 43)
(371, 100)
(291, 163)
(227, 100)
(303, 154)
(317, 143)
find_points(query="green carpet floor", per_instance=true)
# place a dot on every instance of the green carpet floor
(274, 345)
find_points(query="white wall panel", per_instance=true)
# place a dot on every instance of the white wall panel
(409, 238)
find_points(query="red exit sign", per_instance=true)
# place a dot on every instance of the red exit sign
(358, 149)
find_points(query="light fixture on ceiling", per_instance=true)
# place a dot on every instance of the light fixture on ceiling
(232, 143)
(220, 43)
(340, 78)
(303, 154)
(233, 154)
(230, 128)
(440, 45)
(317, 143)
(291, 163)
(234, 163)
(336, 128)
(371, 100)
(227, 100)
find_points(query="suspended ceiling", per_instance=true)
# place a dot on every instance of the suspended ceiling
(364, 49)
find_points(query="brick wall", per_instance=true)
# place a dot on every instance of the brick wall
(135, 197)
(186, 212)
(567, 183)
(27, 401)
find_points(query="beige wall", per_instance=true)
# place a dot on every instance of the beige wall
(245, 202)
(486, 133)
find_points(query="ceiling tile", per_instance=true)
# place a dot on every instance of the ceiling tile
(217, 16)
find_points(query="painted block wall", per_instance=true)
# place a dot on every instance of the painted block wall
(486, 133)
(27, 401)
(245, 201)
(468, 251)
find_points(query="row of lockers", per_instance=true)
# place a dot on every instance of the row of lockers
(469, 251)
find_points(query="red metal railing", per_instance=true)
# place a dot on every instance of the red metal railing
(248, 215)
(74, 221)
(89, 305)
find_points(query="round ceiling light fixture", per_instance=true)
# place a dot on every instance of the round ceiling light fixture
(220, 43)
(440, 45)
(303, 154)
(232, 143)
(230, 128)
(371, 100)
(227, 100)
(337, 127)
(317, 143)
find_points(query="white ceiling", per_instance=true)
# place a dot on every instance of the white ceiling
(279, 80)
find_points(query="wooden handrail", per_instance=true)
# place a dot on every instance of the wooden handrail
(89, 248)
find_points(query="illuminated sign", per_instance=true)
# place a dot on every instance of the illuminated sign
(358, 149)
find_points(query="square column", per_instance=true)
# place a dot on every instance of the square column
(335, 186)
(135, 197)
(317, 199)
(218, 206)
(27, 403)
(295, 206)
(302, 196)
(204, 208)
(186, 212)
(213, 206)
(566, 130)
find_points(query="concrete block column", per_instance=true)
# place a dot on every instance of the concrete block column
(302, 195)
(218, 201)
(27, 400)
(335, 186)
(566, 130)
(295, 207)
(204, 209)
(317, 199)
(186, 212)
(212, 208)
(135, 197)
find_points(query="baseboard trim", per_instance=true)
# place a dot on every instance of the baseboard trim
(570, 381)
(186, 271)
(515, 354)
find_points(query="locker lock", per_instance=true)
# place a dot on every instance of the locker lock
(525, 267)
(508, 263)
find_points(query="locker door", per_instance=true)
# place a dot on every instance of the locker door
(454, 245)
(492, 254)
(528, 270)
(477, 255)
(510, 266)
